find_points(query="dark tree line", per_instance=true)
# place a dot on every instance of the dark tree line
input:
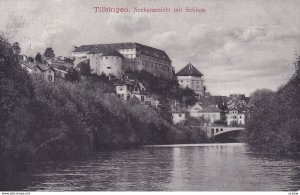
(274, 123)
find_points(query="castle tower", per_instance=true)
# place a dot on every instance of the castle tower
(191, 77)
(108, 62)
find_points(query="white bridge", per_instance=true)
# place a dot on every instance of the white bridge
(217, 130)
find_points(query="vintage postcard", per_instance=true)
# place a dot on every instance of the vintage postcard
(149, 95)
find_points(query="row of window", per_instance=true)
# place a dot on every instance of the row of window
(155, 66)
(154, 59)
(109, 57)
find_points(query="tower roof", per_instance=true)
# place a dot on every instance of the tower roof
(189, 70)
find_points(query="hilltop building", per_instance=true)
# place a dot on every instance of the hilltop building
(44, 69)
(190, 77)
(131, 89)
(111, 59)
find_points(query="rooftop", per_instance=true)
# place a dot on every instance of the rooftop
(140, 48)
(189, 70)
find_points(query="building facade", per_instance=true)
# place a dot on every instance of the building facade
(235, 117)
(108, 62)
(46, 70)
(131, 89)
(190, 77)
(209, 113)
(137, 57)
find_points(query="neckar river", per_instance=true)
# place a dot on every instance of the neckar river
(198, 167)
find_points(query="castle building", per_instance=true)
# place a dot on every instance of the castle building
(135, 57)
(190, 77)
(106, 61)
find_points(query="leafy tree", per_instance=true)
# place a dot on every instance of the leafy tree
(69, 60)
(38, 58)
(30, 59)
(16, 118)
(164, 110)
(84, 68)
(274, 123)
(16, 48)
(72, 75)
(49, 53)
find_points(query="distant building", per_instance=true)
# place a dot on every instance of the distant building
(209, 113)
(131, 89)
(235, 117)
(135, 57)
(46, 70)
(178, 114)
(108, 62)
(190, 77)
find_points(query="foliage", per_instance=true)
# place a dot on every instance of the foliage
(30, 59)
(16, 118)
(169, 88)
(274, 123)
(49, 53)
(84, 68)
(16, 48)
(69, 60)
(72, 75)
(38, 58)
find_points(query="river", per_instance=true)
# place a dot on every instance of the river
(196, 167)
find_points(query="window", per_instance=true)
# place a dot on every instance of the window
(180, 115)
(142, 98)
(120, 88)
(50, 78)
(108, 67)
(181, 81)
(240, 116)
(106, 57)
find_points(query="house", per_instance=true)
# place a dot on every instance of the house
(46, 70)
(136, 57)
(178, 114)
(131, 89)
(209, 113)
(191, 77)
(235, 116)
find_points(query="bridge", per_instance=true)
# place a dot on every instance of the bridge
(217, 130)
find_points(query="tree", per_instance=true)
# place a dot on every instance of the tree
(38, 58)
(49, 53)
(16, 48)
(84, 68)
(30, 59)
(72, 75)
(164, 110)
(16, 94)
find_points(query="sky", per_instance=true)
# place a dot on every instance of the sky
(239, 45)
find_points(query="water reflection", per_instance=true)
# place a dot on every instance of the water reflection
(193, 168)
